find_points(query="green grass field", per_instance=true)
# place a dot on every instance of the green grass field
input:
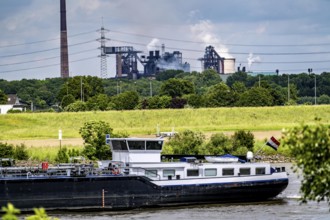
(45, 126)
(144, 122)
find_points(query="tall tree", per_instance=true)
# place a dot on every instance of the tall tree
(220, 95)
(93, 133)
(177, 88)
(98, 102)
(126, 100)
(310, 146)
(3, 97)
(81, 87)
(237, 77)
(167, 74)
(256, 96)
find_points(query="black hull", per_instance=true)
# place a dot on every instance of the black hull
(126, 192)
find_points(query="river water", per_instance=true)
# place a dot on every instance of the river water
(285, 206)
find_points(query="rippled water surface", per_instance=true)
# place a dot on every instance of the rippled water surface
(285, 206)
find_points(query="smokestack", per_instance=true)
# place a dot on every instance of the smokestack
(163, 49)
(64, 43)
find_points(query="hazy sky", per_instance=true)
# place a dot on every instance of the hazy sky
(262, 35)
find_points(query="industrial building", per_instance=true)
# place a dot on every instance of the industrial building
(212, 60)
(156, 62)
(127, 59)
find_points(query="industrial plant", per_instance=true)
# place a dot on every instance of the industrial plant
(128, 58)
(212, 60)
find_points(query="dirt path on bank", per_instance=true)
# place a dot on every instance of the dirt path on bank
(259, 135)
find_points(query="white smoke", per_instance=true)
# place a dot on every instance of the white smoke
(168, 65)
(252, 59)
(204, 31)
(172, 64)
(154, 43)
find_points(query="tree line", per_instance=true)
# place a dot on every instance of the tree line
(170, 89)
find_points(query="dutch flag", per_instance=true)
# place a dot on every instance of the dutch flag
(272, 142)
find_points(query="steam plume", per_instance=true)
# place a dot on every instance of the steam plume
(203, 31)
(153, 44)
(252, 59)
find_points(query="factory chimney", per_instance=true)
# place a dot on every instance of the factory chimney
(64, 43)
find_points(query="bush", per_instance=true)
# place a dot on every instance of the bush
(6, 150)
(219, 144)
(21, 153)
(159, 102)
(67, 100)
(10, 213)
(126, 100)
(77, 106)
(62, 156)
(323, 99)
(14, 111)
(178, 102)
(187, 142)
(241, 151)
(243, 139)
(73, 152)
(194, 100)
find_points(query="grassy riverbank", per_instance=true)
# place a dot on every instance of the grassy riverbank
(35, 126)
(42, 128)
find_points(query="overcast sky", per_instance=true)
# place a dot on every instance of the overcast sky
(259, 34)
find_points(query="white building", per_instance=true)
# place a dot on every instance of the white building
(13, 103)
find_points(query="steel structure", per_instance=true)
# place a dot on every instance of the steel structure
(212, 60)
(103, 55)
(150, 63)
(126, 60)
(156, 62)
(64, 42)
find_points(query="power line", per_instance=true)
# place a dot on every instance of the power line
(47, 58)
(228, 44)
(294, 70)
(39, 67)
(275, 62)
(236, 53)
(42, 41)
(40, 51)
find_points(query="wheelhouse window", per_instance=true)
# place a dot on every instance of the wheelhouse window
(167, 173)
(244, 171)
(119, 145)
(136, 145)
(228, 172)
(260, 170)
(210, 172)
(154, 145)
(192, 172)
(151, 173)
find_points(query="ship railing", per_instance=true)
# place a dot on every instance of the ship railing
(58, 170)
(16, 172)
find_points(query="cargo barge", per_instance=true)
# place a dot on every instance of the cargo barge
(136, 177)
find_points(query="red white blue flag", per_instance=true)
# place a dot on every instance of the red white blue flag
(272, 142)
